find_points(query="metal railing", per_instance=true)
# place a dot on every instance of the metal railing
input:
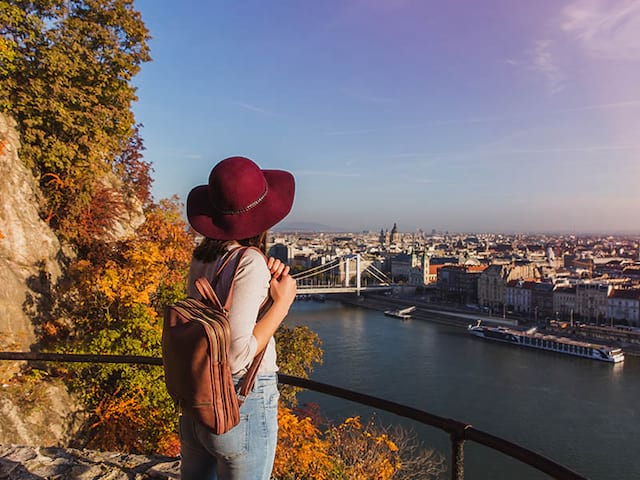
(458, 432)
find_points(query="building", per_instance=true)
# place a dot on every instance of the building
(592, 301)
(401, 264)
(419, 271)
(564, 302)
(624, 305)
(518, 296)
(492, 283)
(431, 265)
(282, 252)
(542, 300)
(395, 235)
(459, 283)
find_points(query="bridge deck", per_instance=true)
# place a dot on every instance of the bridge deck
(312, 290)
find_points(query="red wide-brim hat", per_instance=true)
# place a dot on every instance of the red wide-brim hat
(240, 201)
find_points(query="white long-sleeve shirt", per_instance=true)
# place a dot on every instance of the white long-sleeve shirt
(250, 290)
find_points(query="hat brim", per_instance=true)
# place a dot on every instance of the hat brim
(274, 207)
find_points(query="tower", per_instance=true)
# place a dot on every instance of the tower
(395, 236)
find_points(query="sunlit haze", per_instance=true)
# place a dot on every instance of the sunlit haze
(458, 115)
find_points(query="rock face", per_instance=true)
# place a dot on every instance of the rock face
(38, 411)
(25, 463)
(29, 250)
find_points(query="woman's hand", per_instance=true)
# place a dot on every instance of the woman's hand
(283, 290)
(282, 287)
(277, 268)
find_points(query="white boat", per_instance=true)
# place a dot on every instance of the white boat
(403, 313)
(533, 339)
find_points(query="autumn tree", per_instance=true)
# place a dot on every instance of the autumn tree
(65, 75)
(299, 349)
(350, 450)
(114, 298)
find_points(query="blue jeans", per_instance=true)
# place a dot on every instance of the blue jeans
(245, 452)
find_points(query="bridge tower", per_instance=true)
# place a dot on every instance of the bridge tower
(346, 270)
(347, 273)
(358, 275)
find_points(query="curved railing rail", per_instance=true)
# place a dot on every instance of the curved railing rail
(458, 432)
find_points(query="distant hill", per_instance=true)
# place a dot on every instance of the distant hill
(305, 227)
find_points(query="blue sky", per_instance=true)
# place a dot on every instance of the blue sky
(498, 115)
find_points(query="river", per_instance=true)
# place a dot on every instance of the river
(582, 413)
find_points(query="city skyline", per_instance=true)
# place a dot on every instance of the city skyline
(459, 116)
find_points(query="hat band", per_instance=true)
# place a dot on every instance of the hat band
(248, 207)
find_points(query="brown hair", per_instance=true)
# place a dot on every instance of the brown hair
(210, 249)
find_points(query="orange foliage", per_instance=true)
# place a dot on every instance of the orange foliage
(113, 296)
(363, 452)
(113, 277)
(55, 180)
(49, 329)
(169, 445)
(349, 450)
(118, 419)
(135, 277)
(100, 215)
(301, 453)
(165, 227)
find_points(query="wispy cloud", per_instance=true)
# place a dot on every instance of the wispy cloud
(570, 149)
(433, 123)
(359, 131)
(603, 106)
(542, 61)
(254, 108)
(364, 97)
(326, 173)
(593, 28)
(604, 28)
(420, 180)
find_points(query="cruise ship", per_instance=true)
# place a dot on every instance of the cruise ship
(533, 339)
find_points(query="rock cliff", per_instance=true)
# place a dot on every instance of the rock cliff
(36, 410)
(29, 250)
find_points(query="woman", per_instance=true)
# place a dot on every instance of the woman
(237, 207)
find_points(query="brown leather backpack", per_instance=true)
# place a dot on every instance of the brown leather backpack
(195, 347)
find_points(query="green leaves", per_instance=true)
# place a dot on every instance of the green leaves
(298, 350)
(65, 76)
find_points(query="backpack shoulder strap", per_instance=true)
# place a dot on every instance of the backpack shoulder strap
(239, 252)
(207, 292)
(249, 378)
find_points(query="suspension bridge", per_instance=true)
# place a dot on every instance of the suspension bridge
(336, 275)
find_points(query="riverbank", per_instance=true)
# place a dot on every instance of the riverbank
(422, 312)
(454, 318)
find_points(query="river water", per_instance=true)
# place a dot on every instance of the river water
(582, 413)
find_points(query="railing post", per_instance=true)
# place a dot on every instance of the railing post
(457, 453)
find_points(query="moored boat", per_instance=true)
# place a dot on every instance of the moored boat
(533, 339)
(403, 313)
